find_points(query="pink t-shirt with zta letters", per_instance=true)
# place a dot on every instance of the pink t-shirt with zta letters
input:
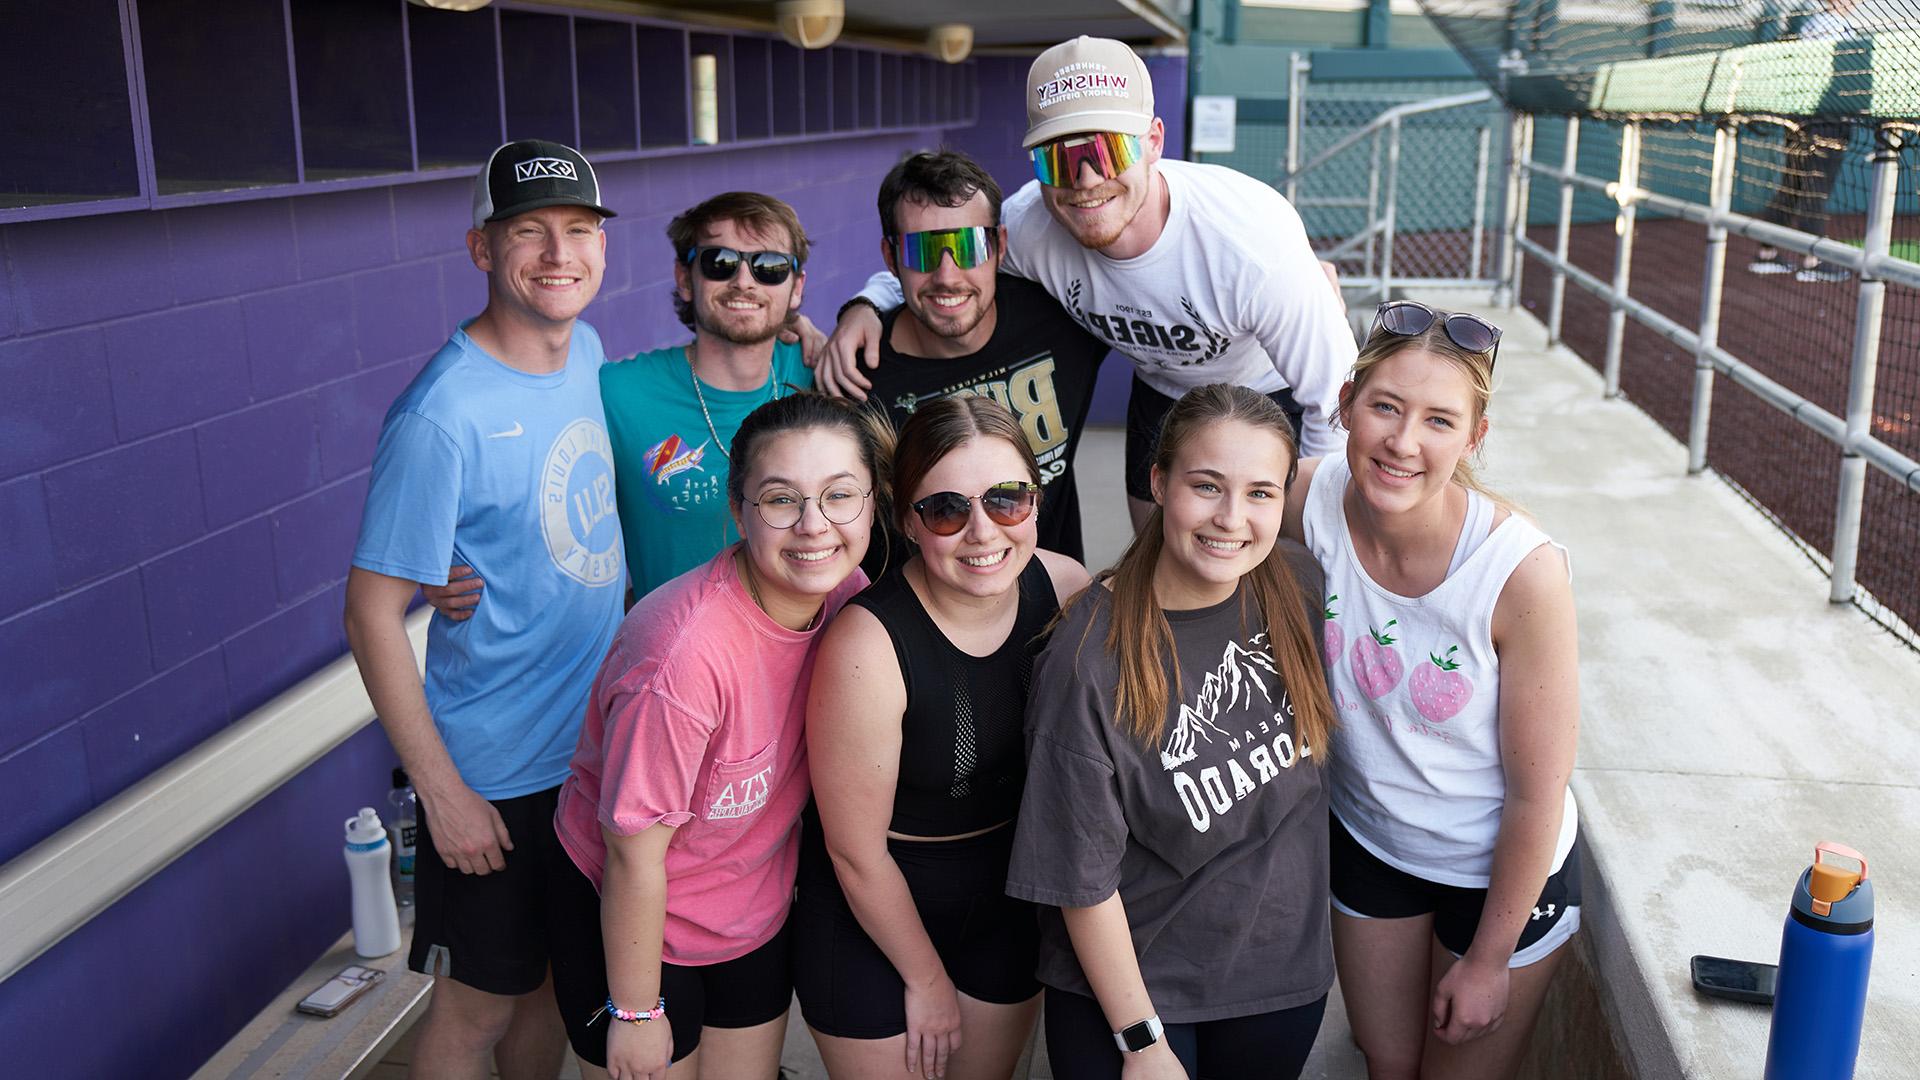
(698, 721)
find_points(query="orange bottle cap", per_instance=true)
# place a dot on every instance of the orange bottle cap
(1829, 884)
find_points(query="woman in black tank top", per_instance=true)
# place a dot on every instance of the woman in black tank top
(909, 952)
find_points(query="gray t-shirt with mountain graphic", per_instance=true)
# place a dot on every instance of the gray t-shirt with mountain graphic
(1215, 838)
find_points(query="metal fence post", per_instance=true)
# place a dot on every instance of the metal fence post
(1622, 253)
(1525, 179)
(1482, 157)
(1866, 359)
(1712, 282)
(1504, 293)
(1391, 221)
(1557, 297)
(1373, 207)
(1297, 68)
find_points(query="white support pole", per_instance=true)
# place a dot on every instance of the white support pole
(1520, 212)
(1557, 296)
(1712, 283)
(1393, 209)
(1504, 293)
(1866, 360)
(1297, 68)
(1373, 208)
(1483, 157)
(1622, 253)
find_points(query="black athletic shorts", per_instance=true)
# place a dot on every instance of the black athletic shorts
(988, 941)
(1147, 409)
(1366, 888)
(1267, 1046)
(492, 931)
(740, 993)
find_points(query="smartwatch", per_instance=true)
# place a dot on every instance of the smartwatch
(1137, 1037)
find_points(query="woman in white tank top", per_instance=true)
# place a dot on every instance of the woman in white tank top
(1451, 656)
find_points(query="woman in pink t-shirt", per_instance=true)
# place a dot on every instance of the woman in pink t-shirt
(691, 771)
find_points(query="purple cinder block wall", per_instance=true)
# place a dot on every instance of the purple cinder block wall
(191, 402)
(994, 141)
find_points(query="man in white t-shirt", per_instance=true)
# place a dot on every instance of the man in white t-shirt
(1197, 273)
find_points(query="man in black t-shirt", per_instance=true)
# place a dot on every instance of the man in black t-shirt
(967, 329)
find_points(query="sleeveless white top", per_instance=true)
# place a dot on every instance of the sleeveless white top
(1415, 770)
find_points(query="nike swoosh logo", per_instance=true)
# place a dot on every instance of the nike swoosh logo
(515, 430)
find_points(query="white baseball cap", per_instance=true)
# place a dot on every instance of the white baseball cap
(1087, 84)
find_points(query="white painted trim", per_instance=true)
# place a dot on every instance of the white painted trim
(1397, 7)
(60, 883)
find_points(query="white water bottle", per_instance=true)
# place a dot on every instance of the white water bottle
(376, 922)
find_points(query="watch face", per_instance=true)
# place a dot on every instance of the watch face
(1138, 1036)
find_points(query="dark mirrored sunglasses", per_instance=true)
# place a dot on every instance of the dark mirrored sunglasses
(921, 251)
(1410, 318)
(1057, 163)
(945, 512)
(722, 263)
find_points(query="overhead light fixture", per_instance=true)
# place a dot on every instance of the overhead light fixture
(950, 42)
(810, 24)
(452, 5)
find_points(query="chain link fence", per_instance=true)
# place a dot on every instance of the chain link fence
(1791, 317)
(1808, 93)
(1445, 217)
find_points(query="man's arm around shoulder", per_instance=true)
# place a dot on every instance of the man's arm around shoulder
(467, 831)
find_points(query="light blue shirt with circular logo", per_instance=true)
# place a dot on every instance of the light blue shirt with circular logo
(511, 473)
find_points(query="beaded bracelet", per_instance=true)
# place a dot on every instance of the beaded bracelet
(619, 1013)
(858, 301)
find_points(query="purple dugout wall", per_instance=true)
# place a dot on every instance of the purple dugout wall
(191, 401)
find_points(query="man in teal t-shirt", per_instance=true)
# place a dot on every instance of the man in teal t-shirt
(672, 413)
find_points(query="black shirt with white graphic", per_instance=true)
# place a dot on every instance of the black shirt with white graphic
(1215, 837)
(1040, 364)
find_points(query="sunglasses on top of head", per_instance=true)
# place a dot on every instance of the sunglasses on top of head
(1410, 318)
(722, 263)
(1057, 163)
(921, 251)
(946, 512)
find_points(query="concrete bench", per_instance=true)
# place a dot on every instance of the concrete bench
(281, 1042)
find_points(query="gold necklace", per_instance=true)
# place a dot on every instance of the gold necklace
(745, 570)
(693, 372)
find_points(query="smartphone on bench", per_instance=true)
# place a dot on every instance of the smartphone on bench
(340, 991)
(1737, 980)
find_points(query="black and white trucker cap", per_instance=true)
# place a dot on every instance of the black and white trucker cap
(532, 173)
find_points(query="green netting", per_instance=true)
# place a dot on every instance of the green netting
(1851, 59)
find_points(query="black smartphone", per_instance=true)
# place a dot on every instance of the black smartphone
(1738, 980)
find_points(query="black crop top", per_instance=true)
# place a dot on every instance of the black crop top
(963, 756)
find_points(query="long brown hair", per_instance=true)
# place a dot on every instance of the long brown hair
(937, 429)
(1139, 636)
(1477, 367)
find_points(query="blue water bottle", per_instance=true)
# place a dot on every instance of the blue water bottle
(1821, 995)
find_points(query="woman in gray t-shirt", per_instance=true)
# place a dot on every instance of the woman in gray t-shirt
(1175, 816)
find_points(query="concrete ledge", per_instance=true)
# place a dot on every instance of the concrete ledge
(1731, 719)
(282, 1042)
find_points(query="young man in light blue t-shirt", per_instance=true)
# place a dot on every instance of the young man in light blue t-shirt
(739, 274)
(497, 457)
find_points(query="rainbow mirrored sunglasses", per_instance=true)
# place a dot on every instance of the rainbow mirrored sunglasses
(1110, 153)
(921, 251)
